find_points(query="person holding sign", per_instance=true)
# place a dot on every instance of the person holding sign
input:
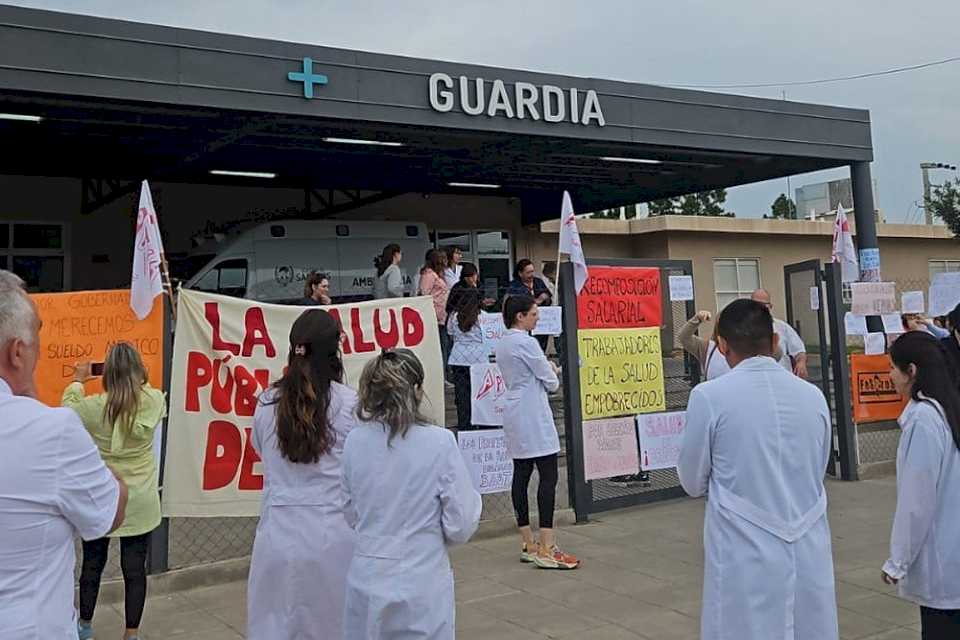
(924, 549)
(303, 545)
(463, 327)
(757, 441)
(409, 496)
(122, 422)
(529, 430)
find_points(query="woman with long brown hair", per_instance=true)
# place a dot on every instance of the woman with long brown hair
(303, 544)
(389, 280)
(925, 542)
(410, 497)
(467, 348)
(122, 422)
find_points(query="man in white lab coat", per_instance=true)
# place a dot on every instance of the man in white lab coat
(793, 351)
(757, 441)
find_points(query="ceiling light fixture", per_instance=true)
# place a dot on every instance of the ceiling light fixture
(243, 174)
(20, 117)
(378, 143)
(473, 185)
(631, 160)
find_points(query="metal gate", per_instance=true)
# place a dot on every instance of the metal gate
(814, 297)
(680, 373)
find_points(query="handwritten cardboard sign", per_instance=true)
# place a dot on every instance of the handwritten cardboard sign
(875, 399)
(609, 448)
(549, 322)
(621, 372)
(681, 288)
(83, 325)
(492, 330)
(620, 297)
(873, 298)
(661, 435)
(485, 454)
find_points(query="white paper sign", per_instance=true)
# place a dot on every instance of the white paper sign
(549, 322)
(875, 344)
(815, 298)
(944, 296)
(661, 435)
(488, 394)
(892, 323)
(681, 288)
(912, 302)
(873, 298)
(609, 448)
(491, 324)
(485, 454)
(855, 324)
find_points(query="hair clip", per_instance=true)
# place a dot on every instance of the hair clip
(300, 350)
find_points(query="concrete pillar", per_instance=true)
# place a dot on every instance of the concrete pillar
(865, 217)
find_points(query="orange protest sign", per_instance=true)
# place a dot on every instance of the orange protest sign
(875, 399)
(83, 325)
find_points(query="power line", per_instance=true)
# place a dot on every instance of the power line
(798, 83)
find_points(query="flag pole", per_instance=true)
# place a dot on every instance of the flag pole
(168, 284)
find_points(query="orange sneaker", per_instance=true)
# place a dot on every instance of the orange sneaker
(555, 559)
(528, 552)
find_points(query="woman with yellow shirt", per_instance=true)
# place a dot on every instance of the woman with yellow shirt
(122, 422)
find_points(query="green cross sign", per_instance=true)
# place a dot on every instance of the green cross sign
(307, 77)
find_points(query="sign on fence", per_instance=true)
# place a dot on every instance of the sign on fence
(485, 454)
(488, 395)
(83, 325)
(875, 399)
(873, 298)
(661, 435)
(609, 448)
(620, 297)
(944, 293)
(549, 322)
(621, 372)
(227, 351)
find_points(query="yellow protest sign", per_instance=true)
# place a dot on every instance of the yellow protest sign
(621, 372)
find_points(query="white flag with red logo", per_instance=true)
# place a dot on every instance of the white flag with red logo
(146, 282)
(843, 249)
(570, 242)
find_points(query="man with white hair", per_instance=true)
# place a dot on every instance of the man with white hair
(793, 355)
(53, 486)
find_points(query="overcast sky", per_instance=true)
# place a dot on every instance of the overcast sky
(916, 115)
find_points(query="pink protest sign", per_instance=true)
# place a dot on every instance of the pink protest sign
(609, 448)
(660, 437)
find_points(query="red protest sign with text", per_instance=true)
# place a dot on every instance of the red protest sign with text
(620, 298)
(227, 351)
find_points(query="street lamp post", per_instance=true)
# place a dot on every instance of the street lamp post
(925, 168)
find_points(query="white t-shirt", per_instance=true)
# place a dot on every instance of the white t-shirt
(790, 343)
(54, 487)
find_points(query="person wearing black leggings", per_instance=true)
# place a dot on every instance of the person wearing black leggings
(529, 430)
(133, 559)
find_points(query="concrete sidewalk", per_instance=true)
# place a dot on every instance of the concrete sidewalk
(641, 579)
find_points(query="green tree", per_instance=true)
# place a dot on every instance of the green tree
(783, 208)
(945, 204)
(705, 203)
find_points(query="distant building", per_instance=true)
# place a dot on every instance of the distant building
(819, 201)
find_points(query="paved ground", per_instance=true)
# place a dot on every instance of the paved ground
(641, 579)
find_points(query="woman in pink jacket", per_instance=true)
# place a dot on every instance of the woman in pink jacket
(432, 284)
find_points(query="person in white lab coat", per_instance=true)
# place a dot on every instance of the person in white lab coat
(757, 441)
(794, 351)
(303, 545)
(409, 496)
(925, 543)
(529, 430)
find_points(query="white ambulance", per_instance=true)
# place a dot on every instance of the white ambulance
(270, 262)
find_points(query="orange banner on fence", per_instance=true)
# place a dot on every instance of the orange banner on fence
(83, 325)
(875, 399)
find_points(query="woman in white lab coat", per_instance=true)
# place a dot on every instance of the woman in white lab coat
(925, 542)
(529, 430)
(409, 496)
(303, 544)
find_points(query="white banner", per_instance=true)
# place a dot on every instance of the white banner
(485, 454)
(549, 322)
(661, 435)
(227, 351)
(488, 395)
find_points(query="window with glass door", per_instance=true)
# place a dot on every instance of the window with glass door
(37, 252)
